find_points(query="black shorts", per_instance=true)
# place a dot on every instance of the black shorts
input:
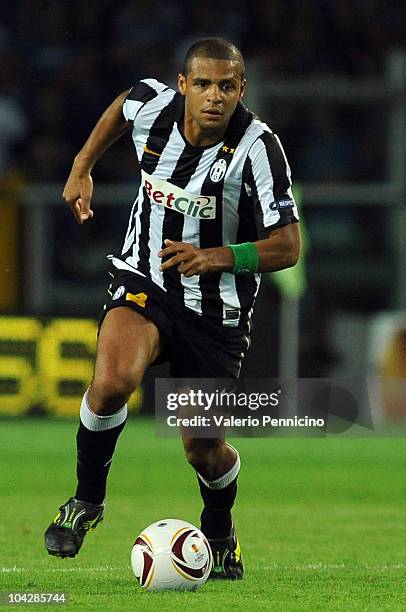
(195, 346)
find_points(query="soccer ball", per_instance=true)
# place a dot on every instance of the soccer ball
(171, 554)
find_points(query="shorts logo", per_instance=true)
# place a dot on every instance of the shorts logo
(278, 204)
(231, 315)
(166, 194)
(218, 170)
(118, 292)
(138, 298)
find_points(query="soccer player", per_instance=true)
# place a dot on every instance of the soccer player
(214, 209)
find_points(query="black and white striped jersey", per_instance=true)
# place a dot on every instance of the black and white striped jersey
(232, 192)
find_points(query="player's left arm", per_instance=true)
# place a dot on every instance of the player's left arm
(279, 251)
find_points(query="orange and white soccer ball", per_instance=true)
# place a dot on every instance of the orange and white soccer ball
(171, 555)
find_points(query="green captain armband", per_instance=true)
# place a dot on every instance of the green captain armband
(246, 258)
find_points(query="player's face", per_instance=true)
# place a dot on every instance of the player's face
(212, 90)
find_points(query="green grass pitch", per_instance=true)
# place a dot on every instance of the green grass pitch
(321, 521)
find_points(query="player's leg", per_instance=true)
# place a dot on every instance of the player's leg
(217, 465)
(128, 342)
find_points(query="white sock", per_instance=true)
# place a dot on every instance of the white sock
(96, 422)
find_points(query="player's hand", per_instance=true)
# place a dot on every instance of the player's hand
(78, 193)
(188, 259)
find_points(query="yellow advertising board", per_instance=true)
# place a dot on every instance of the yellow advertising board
(46, 366)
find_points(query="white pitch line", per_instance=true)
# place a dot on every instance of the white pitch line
(275, 566)
(316, 566)
(334, 566)
(86, 569)
(309, 566)
(65, 569)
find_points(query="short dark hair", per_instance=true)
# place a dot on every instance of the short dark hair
(215, 48)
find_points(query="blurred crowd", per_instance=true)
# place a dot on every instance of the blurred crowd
(61, 63)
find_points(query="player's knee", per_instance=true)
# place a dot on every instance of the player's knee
(202, 455)
(110, 392)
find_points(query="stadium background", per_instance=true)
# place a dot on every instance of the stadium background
(329, 78)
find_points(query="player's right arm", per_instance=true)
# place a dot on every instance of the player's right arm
(79, 186)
